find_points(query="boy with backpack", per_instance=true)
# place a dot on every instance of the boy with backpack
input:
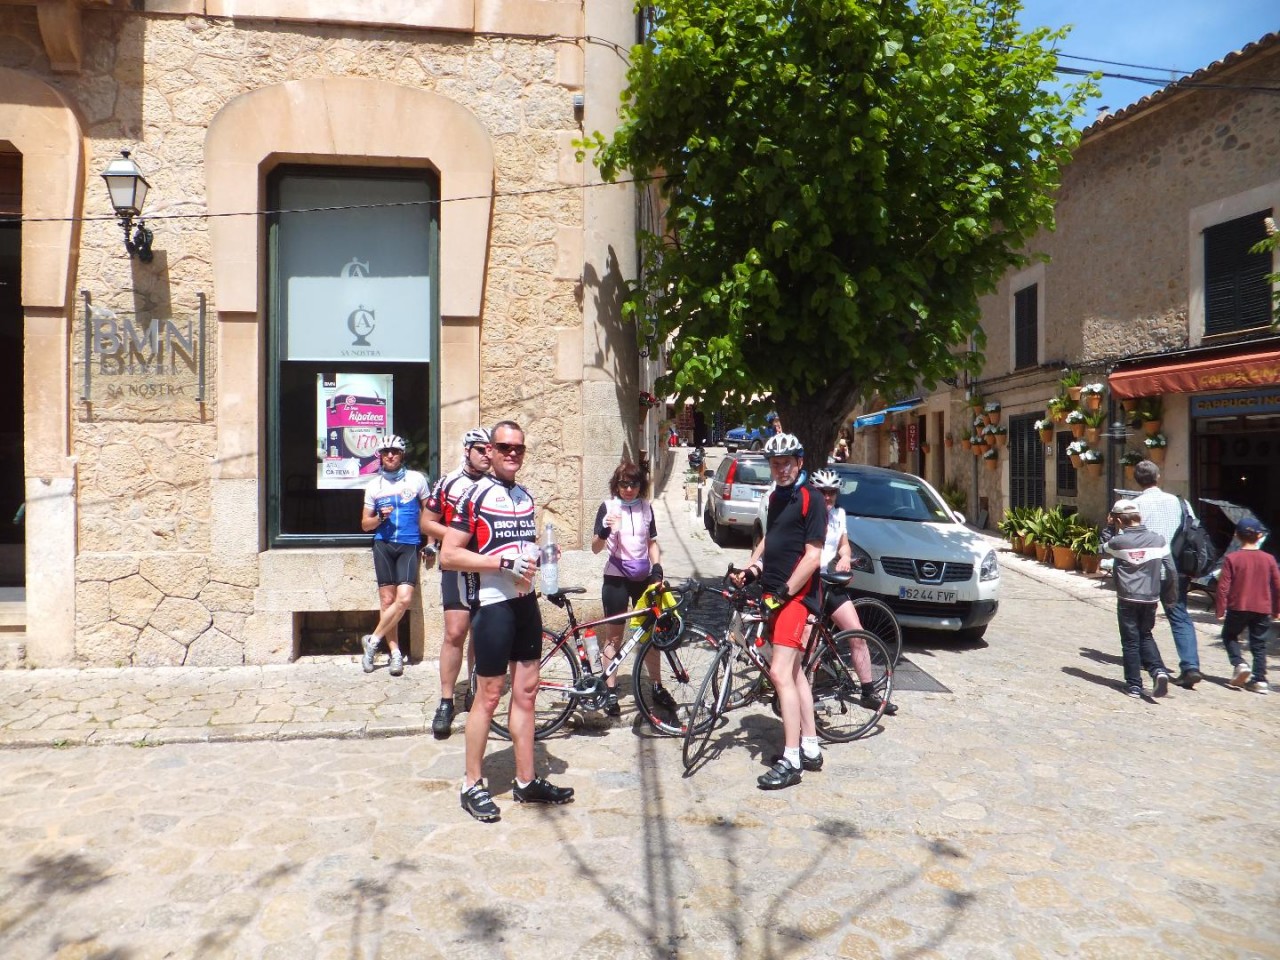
(1248, 597)
(1144, 575)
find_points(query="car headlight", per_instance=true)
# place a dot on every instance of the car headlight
(860, 560)
(990, 568)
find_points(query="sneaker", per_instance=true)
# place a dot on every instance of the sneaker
(442, 722)
(1259, 686)
(812, 764)
(664, 699)
(1134, 691)
(1188, 678)
(397, 663)
(872, 701)
(611, 704)
(477, 802)
(1160, 683)
(780, 775)
(541, 791)
(1242, 676)
(370, 644)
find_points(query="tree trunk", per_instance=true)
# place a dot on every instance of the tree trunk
(816, 421)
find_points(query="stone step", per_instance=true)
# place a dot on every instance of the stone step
(13, 651)
(13, 615)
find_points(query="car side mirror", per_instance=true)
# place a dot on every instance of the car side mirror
(959, 516)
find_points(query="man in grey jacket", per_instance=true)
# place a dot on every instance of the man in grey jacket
(1144, 574)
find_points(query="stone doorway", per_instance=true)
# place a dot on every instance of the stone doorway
(12, 352)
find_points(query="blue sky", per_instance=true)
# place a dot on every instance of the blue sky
(1177, 34)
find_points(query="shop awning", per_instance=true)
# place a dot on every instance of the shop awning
(1195, 376)
(877, 418)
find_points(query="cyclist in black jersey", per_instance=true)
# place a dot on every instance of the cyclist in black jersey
(494, 534)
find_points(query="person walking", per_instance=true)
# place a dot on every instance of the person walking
(455, 593)
(1144, 573)
(1162, 513)
(392, 513)
(1248, 598)
(786, 562)
(494, 534)
(626, 528)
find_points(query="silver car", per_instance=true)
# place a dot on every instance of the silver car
(739, 482)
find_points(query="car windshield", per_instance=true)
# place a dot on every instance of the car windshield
(755, 471)
(890, 498)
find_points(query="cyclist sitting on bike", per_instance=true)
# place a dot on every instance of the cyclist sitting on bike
(787, 561)
(839, 604)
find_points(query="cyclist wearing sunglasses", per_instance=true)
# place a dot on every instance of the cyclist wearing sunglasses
(625, 526)
(494, 534)
(455, 592)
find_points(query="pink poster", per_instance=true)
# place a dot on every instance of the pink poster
(353, 411)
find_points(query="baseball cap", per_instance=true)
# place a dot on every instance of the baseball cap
(1250, 526)
(1123, 508)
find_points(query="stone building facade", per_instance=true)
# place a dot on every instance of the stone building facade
(1120, 293)
(169, 517)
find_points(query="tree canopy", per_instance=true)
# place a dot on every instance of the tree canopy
(843, 180)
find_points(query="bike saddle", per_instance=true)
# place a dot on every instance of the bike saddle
(833, 578)
(558, 597)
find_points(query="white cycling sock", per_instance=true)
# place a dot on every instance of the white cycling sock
(810, 746)
(792, 756)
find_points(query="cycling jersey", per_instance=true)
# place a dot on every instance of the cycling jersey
(629, 544)
(797, 518)
(835, 530)
(406, 496)
(499, 518)
(448, 490)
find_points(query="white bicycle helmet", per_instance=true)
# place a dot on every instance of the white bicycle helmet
(476, 435)
(783, 445)
(826, 480)
(391, 442)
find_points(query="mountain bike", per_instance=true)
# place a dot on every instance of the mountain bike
(663, 642)
(845, 707)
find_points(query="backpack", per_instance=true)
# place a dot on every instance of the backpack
(1193, 551)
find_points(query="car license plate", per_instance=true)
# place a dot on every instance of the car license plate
(927, 594)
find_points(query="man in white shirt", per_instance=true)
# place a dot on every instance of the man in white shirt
(1162, 514)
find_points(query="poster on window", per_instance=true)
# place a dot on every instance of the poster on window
(352, 414)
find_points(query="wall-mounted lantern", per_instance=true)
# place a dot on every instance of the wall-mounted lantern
(128, 189)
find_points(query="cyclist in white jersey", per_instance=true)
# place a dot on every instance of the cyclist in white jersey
(392, 508)
(454, 584)
(494, 534)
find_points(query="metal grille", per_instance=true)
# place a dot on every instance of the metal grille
(1026, 462)
(945, 572)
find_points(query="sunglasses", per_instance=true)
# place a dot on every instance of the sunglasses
(628, 483)
(391, 453)
(482, 447)
(509, 448)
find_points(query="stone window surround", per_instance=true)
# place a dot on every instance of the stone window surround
(1266, 196)
(1032, 276)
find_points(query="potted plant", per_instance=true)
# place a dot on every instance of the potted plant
(992, 411)
(977, 402)
(1037, 534)
(978, 444)
(1045, 428)
(1058, 532)
(1130, 404)
(1094, 421)
(948, 440)
(965, 442)
(1091, 396)
(1075, 420)
(1150, 414)
(1072, 384)
(924, 448)
(991, 459)
(1012, 526)
(1087, 543)
(1075, 449)
(1155, 445)
(1059, 407)
(1092, 460)
(1130, 459)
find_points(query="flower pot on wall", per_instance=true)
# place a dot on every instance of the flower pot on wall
(1156, 454)
(1063, 558)
(1151, 427)
(1093, 468)
(991, 463)
(1076, 461)
(1092, 402)
(1077, 430)
(993, 417)
(1091, 435)
(1129, 479)
(965, 444)
(1046, 436)
(1074, 393)
(1130, 405)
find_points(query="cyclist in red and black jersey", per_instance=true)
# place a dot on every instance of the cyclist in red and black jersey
(786, 562)
(494, 535)
(437, 514)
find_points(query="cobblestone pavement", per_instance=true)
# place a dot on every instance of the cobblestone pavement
(292, 812)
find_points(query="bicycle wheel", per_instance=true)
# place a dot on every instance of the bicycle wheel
(707, 707)
(664, 700)
(844, 707)
(876, 617)
(748, 677)
(551, 708)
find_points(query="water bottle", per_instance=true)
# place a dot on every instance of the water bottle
(593, 648)
(550, 563)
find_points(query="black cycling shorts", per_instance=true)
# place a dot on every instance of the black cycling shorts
(505, 632)
(395, 563)
(456, 590)
(620, 594)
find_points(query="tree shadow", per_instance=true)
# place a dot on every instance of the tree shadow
(47, 881)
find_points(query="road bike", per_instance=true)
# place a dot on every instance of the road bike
(679, 652)
(845, 706)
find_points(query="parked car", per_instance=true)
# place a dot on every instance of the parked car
(914, 552)
(739, 481)
(749, 438)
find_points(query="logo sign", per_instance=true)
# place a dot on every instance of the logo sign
(1242, 404)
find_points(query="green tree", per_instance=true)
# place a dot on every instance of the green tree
(844, 179)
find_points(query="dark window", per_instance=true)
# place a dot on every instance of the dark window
(352, 337)
(1025, 306)
(1237, 295)
(1026, 462)
(1066, 472)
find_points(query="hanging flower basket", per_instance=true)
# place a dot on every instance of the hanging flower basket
(1093, 468)
(965, 443)
(948, 441)
(1092, 435)
(1077, 429)
(1151, 427)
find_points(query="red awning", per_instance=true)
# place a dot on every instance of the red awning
(1198, 376)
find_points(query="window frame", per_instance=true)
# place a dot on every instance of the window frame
(1233, 238)
(1033, 276)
